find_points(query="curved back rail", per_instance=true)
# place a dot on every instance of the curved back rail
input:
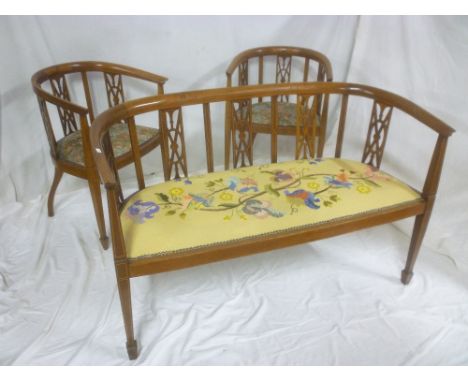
(283, 56)
(72, 116)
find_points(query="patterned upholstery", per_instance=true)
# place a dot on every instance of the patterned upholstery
(243, 203)
(261, 113)
(70, 148)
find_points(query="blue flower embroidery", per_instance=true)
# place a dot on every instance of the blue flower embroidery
(140, 211)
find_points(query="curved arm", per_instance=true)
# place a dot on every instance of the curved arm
(85, 66)
(95, 66)
(281, 50)
(57, 101)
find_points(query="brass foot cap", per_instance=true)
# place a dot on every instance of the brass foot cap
(406, 277)
(132, 350)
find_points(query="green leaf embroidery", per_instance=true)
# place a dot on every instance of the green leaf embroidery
(334, 198)
(162, 197)
(271, 190)
(327, 203)
(171, 212)
(183, 215)
(210, 184)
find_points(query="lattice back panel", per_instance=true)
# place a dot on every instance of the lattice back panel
(174, 143)
(114, 89)
(67, 117)
(377, 134)
(306, 126)
(241, 130)
(283, 73)
(243, 73)
(47, 124)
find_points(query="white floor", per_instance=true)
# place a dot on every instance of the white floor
(333, 302)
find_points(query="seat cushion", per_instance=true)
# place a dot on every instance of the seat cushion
(261, 113)
(70, 148)
(220, 207)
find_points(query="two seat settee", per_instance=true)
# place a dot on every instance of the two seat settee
(191, 220)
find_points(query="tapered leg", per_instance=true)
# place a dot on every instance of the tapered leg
(419, 230)
(50, 201)
(95, 188)
(126, 303)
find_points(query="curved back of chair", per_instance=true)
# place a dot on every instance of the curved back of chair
(72, 116)
(284, 59)
(281, 65)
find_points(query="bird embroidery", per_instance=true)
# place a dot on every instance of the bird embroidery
(201, 200)
(302, 196)
(338, 181)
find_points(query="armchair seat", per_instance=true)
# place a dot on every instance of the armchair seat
(251, 202)
(70, 148)
(261, 113)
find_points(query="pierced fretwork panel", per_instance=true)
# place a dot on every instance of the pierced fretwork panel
(47, 125)
(283, 73)
(243, 72)
(174, 143)
(241, 130)
(114, 89)
(377, 134)
(321, 73)
(306, 126)
(67, 117)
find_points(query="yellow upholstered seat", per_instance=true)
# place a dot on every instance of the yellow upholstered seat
(233, 205)
(70, 148)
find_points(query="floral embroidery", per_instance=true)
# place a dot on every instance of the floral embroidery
(176, 191)
(363, 189)
(242, 194)
(280, 176)
(226, 196)
(186, 180)
(314, 186)
(141, 211)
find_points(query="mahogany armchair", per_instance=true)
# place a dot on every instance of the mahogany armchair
(278, 64)
(72, 152)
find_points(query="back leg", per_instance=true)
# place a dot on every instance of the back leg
(50, 201)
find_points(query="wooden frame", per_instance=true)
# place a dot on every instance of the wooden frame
(74, 117)
(284, 57)
(384, 103)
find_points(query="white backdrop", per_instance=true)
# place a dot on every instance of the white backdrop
(336, 301)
